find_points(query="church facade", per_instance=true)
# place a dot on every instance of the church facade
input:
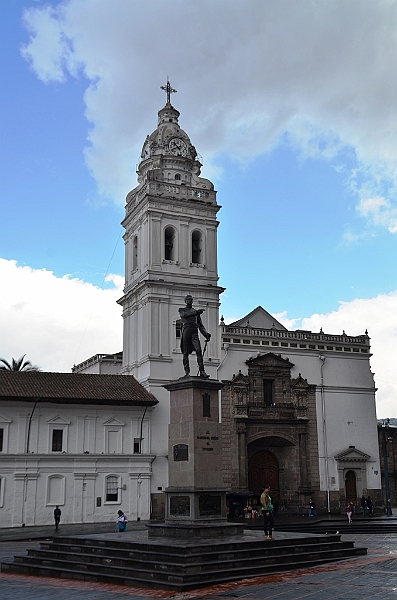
(298, 408)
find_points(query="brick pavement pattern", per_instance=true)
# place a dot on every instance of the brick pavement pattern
(371, 577)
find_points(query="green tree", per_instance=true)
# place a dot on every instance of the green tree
(17, 365)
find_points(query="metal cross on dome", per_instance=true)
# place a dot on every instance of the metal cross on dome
(169, 90)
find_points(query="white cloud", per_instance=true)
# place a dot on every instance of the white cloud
(285, 320)
(380, 211)
(248, 71)
(55, 321)
(59, 321)
(378, 316)
(350, 237)
(48, 43)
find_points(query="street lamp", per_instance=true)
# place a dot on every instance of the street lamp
(385, 440)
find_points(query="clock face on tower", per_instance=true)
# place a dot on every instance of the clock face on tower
(178, 147)
(146, 150)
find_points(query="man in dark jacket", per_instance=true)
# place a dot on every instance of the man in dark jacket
(363, 503)
(57, 516)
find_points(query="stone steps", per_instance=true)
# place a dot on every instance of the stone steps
(365, 527)
(178, 566)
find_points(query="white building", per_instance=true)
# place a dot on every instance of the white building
(78, 441)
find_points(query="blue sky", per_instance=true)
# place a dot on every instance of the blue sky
(292, 107)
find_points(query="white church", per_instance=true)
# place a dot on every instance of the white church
(297, 407)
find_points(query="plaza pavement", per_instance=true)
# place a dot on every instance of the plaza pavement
(366, 577)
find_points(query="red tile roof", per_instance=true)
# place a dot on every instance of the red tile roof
(74, 388)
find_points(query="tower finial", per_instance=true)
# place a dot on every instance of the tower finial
(169, 90)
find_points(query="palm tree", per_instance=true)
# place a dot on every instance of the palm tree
(17, 365)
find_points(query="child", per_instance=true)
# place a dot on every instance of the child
(349, 511)
(121, 521)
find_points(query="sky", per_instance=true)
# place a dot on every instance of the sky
(292, 106)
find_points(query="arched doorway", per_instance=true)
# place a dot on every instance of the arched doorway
(263, 468)
(351, 487)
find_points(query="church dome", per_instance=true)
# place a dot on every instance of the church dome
(168, 156)
(168, 139)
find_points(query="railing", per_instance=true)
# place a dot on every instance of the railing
(294, 335)
(169, 190)
(96, 359)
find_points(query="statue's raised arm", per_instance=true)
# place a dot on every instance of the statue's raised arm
(190, 342)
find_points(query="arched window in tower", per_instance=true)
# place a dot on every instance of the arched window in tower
(135, 253)
(196, 247)
(177, 177)
(169, 239)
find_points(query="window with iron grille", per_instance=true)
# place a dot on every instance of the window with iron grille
(57, 438)
(112, 488)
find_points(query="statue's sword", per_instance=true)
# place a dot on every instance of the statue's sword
(205, 348)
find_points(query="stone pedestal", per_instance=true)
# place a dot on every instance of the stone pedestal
(196, 497)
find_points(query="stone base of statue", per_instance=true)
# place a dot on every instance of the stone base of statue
(196, 496)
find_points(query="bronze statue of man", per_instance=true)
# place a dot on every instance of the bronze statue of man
(191, 325)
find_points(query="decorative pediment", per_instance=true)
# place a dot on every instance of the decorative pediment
(259, 318)
(299, 383)
(239, 388)
(352, 454)
(113, 421)
(301, 390)
(239, 379)
(58, 420)
(269, 360)
(4, 419)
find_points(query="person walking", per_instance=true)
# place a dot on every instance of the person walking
(267, 511)
(312, 509)
(363, 503)
(121, 521)
(370, 506)
(57, 516)
(349, 512)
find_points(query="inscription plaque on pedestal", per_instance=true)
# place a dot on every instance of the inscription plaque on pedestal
(180, 506)
(181, 452)
(210, 505)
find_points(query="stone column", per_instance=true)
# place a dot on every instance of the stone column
(242, 451)
(304, 470)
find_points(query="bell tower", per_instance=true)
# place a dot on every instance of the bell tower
(170, 251)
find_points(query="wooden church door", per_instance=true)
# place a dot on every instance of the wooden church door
(351, 488)
(263, 469)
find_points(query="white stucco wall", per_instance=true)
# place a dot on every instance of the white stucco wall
(97, 442)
